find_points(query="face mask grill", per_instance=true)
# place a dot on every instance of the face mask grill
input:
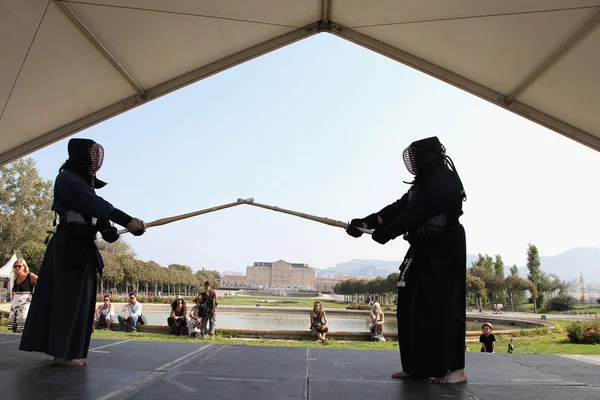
(96, 156)
(409, 160)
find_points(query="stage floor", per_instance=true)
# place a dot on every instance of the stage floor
(134, 369)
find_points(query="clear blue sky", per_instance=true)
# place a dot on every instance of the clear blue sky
(319, 127)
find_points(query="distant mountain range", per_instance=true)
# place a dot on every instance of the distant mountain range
(567, 266)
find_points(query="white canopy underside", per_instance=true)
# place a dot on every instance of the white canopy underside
(67, 65)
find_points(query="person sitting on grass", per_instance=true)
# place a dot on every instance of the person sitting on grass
(177, 321)
(195, 317)
(376, 320)
(105, 313)
(318, 322)
(134, 308)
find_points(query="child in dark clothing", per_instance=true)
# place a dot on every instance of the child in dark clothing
(487, 338)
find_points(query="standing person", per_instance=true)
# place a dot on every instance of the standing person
(210, 298)
(22, 292)
(434, 268)
(62, 310)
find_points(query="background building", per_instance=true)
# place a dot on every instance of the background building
(326, 285)
(280, 275)
(232, 282)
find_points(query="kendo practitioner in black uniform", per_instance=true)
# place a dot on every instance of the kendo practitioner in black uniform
(432, 284)
(61, 314)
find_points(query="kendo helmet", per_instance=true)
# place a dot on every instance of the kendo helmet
(86, 153)
(423, 153)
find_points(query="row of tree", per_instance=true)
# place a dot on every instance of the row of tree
(486, 284)
(357, 290)
(26, 218)
(124, 272)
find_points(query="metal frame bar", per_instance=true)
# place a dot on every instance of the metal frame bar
(83, 29)
(561, 51)
(160, 90)
(326, 11)
(467, 85)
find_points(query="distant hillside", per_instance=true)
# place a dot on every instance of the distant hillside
(365, 268)
(567, 266)
(571, 263)
(368, 268)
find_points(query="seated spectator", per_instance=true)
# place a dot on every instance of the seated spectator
(105, 313)
(376, 320)
(318, 322)
(177, 320)
(22, 292)
(134, 308)
(195, 318)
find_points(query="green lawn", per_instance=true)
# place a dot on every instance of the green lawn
(553, 342)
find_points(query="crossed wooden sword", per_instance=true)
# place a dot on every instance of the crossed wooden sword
(249, 201)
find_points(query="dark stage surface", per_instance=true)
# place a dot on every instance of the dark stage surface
(135, 369)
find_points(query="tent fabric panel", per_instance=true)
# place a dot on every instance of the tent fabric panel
(154, 47)
(587, 138)
(176, 83)
(356, 13)
(569, 90)
(64, 78)
(483, 49)
(290, 13)
(18, 24)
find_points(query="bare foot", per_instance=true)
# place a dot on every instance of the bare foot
(400, 375)
(75, 363)
(457, 376)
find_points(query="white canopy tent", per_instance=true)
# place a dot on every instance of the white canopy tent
(7, 276)
(67, 65)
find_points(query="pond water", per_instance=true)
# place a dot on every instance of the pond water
(295, 322)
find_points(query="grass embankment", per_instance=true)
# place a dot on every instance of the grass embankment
(527, 341)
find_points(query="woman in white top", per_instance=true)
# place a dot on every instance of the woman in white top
(106, 312)
(376, 320)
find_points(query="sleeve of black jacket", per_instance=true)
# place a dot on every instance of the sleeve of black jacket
(434, 196)
(391, 212)
(83, 198)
